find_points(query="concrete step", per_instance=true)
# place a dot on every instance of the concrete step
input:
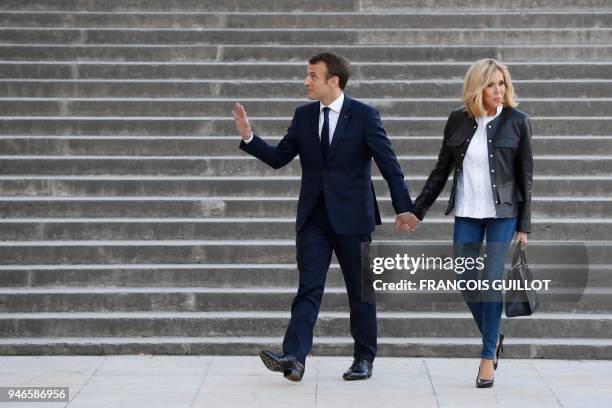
(211, 296)
(185, 5)
(159, 275)
(267, 107)
(295, 6)
(303, 36)
(17, 300)
(399, 19)
(274, 126)
(256, 251)
(34, 229)
(188, 285)
(248, 275)
(575, 348)
(297, 52)
(281, 186)
(249, 207)
(249, 228)
(243, 165)
(290, 70)
(361, 89)
(493, 6)
(228, 146)
(336, 324)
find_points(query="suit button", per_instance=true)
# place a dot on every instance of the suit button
(489, 126)
(468, 140)
(490, 155)
(461, 154)
(492, 171)
(496, 202)
(493, 185)
(475, 127)
(489, 140)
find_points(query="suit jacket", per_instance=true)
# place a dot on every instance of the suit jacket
(510, 164)
(345, 177)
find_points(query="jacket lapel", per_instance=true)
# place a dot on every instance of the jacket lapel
(313, 131)
(343, 120)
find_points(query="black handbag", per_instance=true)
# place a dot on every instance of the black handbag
(520, 301)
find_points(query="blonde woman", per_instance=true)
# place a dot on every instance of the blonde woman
(488, 144)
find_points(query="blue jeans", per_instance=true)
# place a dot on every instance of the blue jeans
(486, 307)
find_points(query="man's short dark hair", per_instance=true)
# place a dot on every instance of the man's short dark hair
(336, 66)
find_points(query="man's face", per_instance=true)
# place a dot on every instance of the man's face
(317, 86)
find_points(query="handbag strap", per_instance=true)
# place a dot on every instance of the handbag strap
(519, 257)
(523, 256)
(518, 252)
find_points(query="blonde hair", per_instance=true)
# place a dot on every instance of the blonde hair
(476, 79)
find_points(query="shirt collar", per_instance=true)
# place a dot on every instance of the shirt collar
(335, 105)
(487, 119)
(499, 109)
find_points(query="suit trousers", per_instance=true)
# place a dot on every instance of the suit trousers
(315, 242)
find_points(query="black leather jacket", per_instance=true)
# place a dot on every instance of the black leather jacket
(510, 164)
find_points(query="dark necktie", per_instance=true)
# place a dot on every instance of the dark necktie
(325, 133)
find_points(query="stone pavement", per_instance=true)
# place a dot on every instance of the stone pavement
(222, 381)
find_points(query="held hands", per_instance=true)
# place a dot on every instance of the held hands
(406, 222)
(242, 123)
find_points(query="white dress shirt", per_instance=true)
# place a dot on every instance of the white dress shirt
(334, 114)
(474, 195)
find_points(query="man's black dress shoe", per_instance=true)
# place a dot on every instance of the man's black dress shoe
(361, 369)
(288, 364)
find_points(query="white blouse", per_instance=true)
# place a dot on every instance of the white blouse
(474, 195)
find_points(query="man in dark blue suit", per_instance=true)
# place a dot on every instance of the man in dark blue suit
(336, 139)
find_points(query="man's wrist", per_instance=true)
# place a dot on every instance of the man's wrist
(249, 139)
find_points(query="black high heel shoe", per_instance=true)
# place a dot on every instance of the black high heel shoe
(500, 347)
(480, 383)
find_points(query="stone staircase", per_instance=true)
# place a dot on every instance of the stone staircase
(132, 223)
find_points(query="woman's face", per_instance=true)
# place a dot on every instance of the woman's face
(493, 93)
